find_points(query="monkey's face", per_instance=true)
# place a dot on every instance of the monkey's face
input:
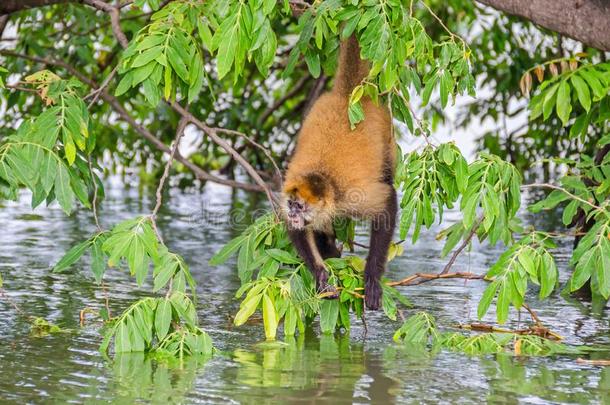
(298, 213)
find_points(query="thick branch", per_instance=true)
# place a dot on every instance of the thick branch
(587, 21)
(11, 6)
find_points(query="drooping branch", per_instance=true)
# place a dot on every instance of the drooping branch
(141, 130)
(213, 134)
(587, 21)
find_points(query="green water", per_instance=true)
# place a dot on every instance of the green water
(359, 368)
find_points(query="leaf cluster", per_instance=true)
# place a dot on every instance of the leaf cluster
(421, 329)
(527, 260)
(166, 325)
(276, 281)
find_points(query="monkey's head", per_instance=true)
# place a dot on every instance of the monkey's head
(308, 200)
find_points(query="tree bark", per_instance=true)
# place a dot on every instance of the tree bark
(587, 21)
(11, 6)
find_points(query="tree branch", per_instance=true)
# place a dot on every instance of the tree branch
(213, 134)
(587, 21)
(125, 116)
(11, 6)
(115, 19)
(420, 278)
(465, 243)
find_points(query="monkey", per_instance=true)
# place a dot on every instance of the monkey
(338, 172)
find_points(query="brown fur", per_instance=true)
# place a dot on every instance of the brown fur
(352, 160)
(339, 172)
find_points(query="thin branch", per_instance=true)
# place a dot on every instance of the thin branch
(115, 19)
(573, 196)
(266, 151)
(213, 134)
(12, 303)
(601, 362)
(179, 133)
(97, 92)
(296, 88)
(536, 330)
(532, 314)
(3, 22)
(95, 192)
(420, 278)
(465, 243)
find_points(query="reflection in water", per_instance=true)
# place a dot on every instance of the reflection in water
(322, 367)
(138, 377)
(510, 379)
(338, 369)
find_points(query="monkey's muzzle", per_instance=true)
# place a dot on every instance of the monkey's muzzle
(296, 215)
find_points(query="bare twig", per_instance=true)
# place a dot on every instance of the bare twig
(315, 93)
(3, 22)
(213, 134)
(266, 151)
(179, 132)
(532, 314)
(554, 187)
(296, 88)
(115, 19)
(465, 243)
(537, 330)
(420, 278)
(97, 92)
(600, 362)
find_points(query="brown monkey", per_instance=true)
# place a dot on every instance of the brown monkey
(339, 172)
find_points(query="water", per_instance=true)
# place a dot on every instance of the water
(359, 368)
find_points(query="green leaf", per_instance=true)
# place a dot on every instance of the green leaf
(503, 301)
(329, 313)
(603, 268)
(282, 256)
(486, 299)
(564, 103)
(270, 318)
(247, 308)
(583, 270)
(290, 321)
(71, 256)
(227, 251)
(582, 90)
(98, 264)
(163, 317)
(63, 192)
(228, 45)
(122, 343)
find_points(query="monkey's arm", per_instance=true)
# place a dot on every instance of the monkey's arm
(327, 245)
(382, 230)
(305, 243)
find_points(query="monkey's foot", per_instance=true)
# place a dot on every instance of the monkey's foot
(372, 294)
(328, 292)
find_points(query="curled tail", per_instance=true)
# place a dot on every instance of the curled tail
(351, 69)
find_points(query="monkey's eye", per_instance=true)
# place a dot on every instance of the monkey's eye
(295, 205)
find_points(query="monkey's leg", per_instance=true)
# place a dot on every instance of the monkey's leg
(326, 244)
(305, 243)
(382, 230)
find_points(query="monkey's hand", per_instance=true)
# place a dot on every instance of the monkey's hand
(326, 291)
(372, 293)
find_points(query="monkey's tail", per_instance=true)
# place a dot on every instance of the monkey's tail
(351, 69)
